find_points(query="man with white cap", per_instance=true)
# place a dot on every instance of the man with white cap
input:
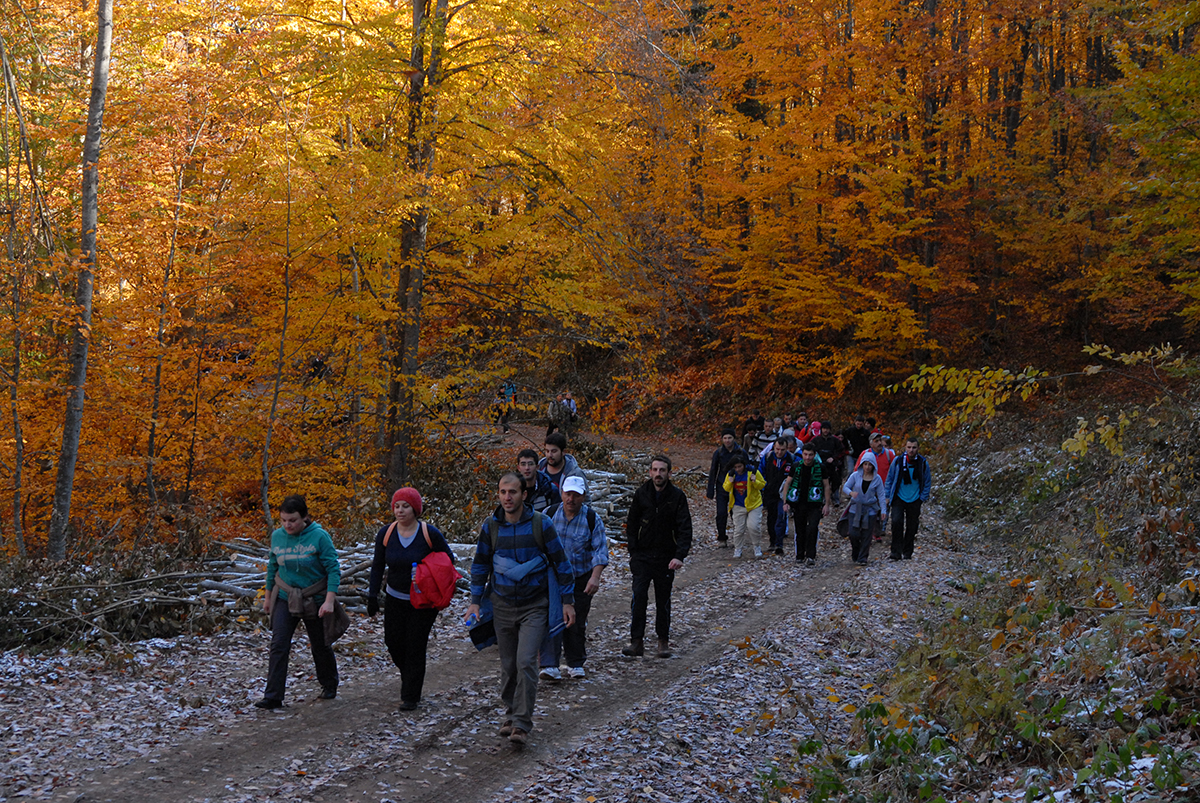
(581, 532)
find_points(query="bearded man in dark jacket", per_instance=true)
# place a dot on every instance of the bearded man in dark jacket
(659, 533)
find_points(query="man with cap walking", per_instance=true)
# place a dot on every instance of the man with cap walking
(581, 532)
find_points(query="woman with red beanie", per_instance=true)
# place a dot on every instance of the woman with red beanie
(399, 546)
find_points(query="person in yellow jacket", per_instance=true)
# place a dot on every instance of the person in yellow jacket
(744, 486)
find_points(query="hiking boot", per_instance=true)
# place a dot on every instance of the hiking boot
(810, 561)
(408, 705)
(506, 728)
(328, 694)
(518, 737)
(635, 649)
(267, 704)
(664, 648)
(779, 550)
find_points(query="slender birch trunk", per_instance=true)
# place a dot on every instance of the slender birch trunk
(60, 516)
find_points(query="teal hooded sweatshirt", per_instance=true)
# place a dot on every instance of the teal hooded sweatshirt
(303, 559)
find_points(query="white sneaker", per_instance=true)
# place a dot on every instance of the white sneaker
(576, 672)
(758, 552)
(737, 553)
(551, 673)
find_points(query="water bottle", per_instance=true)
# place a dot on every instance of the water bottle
(413, 590)
(472, 620)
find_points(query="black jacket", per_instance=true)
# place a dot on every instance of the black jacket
(659, 524)
(720, 467)
(858, 440)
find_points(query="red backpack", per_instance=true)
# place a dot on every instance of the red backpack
(435, 578)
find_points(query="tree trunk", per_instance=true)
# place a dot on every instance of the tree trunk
(422, 146)
(60, 516)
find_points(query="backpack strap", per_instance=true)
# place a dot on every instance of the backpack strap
(494, 532)
(553, 509)
(424, 531)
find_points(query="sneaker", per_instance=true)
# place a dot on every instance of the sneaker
(551, 673)
(723, 544)
(737, 553)
(810, 561)
(779, 550)
(800, 560)
(268, 704)
(861, 561)
(328, 694)
(757, 552)
(408, 705)
(576, 672)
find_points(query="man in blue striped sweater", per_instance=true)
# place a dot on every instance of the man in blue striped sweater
(518, 551)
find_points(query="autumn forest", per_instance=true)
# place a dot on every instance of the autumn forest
(322, 223)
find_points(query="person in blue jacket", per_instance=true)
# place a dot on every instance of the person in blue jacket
(521, 561)
(907, 486)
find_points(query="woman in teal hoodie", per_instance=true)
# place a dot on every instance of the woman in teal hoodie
(301, 565)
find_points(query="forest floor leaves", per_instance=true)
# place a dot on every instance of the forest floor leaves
(766, 651)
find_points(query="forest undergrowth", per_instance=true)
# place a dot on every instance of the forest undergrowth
(1071, 673)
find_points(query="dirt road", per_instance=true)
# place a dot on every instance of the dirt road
(361, 747)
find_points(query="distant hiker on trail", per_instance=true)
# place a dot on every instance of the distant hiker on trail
(581, 531)
(807, 498)
(302, 567)
(883, 456)
(776, 468)
(764, 439)
(907, 486)
(541, 491)
(716, 479)
(659, 533)
(559, 465)
(829, 452)
(558, 415)
(399, 546)
(867, 507)
(743, 485)
(858, 440)
(521, 567)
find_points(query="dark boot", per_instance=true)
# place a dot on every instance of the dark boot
(635, 648)
(664, 648)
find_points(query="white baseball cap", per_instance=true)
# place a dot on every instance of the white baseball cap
(575, 484)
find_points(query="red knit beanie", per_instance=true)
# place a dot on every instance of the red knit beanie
(409, 495)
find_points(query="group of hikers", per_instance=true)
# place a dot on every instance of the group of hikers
(792, 469)
(540, 556)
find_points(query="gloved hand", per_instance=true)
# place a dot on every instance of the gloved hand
(372, 606)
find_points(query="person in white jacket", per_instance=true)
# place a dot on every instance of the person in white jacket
(868, 507)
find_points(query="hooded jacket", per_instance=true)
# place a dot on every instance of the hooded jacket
(302, 559)
(570, 469)
(516, 544)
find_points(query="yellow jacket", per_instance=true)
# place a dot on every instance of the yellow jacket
(755, 482)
